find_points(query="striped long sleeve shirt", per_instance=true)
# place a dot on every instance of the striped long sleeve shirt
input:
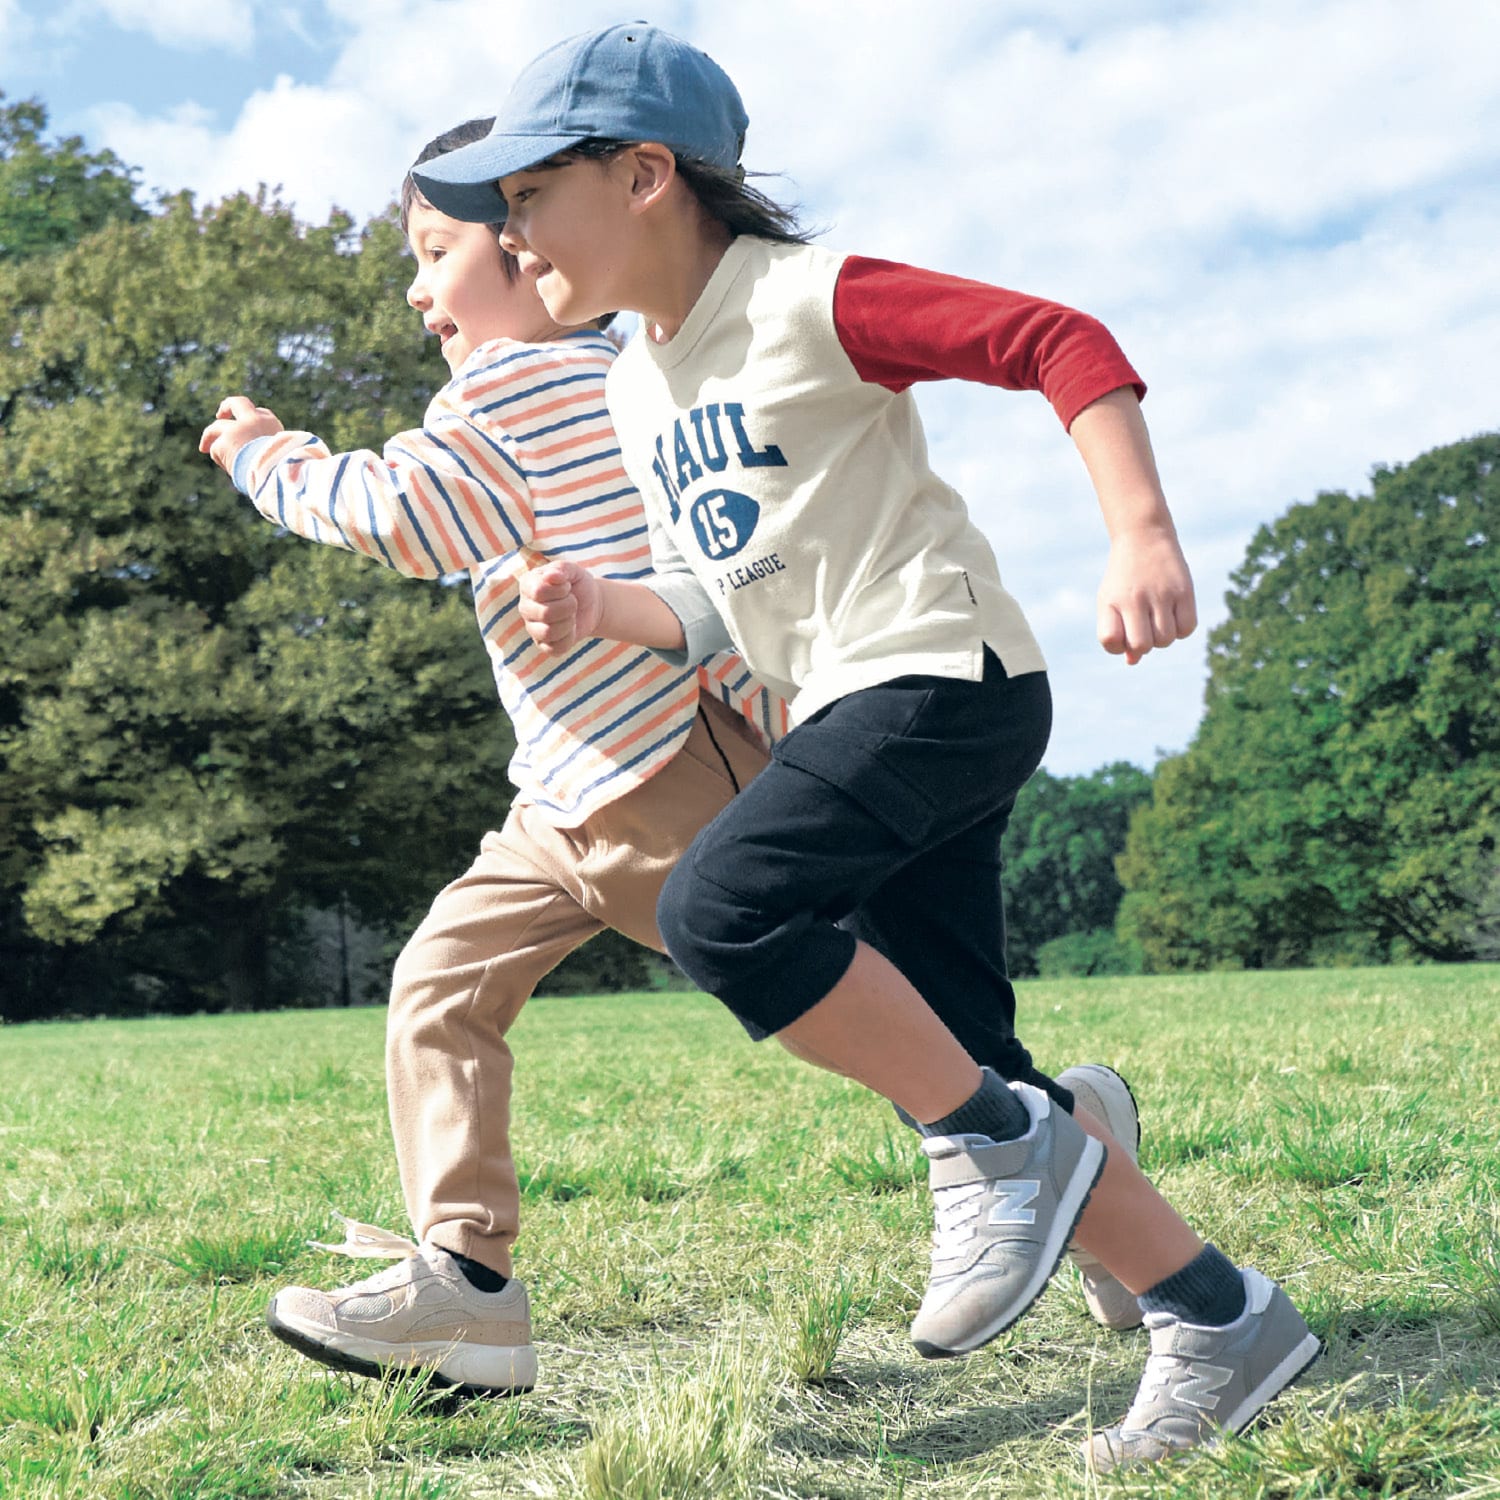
(516, 461)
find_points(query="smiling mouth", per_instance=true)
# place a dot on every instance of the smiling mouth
(444, 331)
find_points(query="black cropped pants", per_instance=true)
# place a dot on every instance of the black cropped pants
(878, 819)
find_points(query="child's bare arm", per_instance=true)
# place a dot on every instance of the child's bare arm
(1146, 597)
(238, 421)
(562, 603)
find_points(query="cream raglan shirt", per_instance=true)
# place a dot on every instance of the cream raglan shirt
(778, 447)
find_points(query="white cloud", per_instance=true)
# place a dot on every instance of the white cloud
(187, 25)
(15, 27)
(1284, 208)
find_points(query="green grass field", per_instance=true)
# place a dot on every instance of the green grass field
(724, 1249)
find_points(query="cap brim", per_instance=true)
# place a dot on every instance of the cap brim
(461, 183)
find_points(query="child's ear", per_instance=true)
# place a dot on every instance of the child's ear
(652, 170)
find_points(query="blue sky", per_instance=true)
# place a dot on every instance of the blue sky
(1286, 212)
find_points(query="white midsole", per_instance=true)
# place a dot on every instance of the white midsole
(1068, 1208)
(1281, 1376)
(499, 1366)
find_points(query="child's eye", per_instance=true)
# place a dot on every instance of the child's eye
(437, 252)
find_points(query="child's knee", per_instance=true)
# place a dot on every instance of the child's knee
(709, 931)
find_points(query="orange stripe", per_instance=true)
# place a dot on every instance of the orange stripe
(613, 751)
(619, 649)
(430, 504)
(595, 522)
(615, 558)
(553, 492)
(653, 674)
(582, 439)
(499, 545)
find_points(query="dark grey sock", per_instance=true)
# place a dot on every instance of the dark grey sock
(1208, 1291)
(478, 1275)
(993, 1109)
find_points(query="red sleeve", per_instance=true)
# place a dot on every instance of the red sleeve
(899, 325)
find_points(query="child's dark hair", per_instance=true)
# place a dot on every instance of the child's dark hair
(450, 140)
(722, 193)
(440, 145)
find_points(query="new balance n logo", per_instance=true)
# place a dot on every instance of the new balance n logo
(1201, 1385)
(1011, 1200)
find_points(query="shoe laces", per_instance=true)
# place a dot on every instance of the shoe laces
(371, 1242)
(1163, 1367)
(368, 1242)
(956, 1219)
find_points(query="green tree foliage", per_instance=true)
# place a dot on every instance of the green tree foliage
(205, 727)
(1341, 799)
(1059, 878)
(53, 193)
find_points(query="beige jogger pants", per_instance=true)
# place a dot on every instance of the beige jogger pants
(533, 895)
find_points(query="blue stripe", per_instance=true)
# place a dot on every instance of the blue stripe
(463, 531)
(334, 491)
(533, 391)
(598, 414)
(632, 664)
(635, 760)
(568, 661)
(568, 510)
(416, 526)
(374, 526)
(633, 712)
(486, 626)
(572, 463)
(554, 550)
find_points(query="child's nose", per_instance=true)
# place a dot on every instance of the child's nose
(509, 239)
(417, 295)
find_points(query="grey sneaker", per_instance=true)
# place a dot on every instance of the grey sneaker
(419, 1315)
(1106, 1096)
(1204, 1384)
(1004, 1213)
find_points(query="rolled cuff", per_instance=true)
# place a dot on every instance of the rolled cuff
(244, 461)
(703, 628)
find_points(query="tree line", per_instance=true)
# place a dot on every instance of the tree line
(222, 749)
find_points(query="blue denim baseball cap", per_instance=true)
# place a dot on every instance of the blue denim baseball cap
(632, 82)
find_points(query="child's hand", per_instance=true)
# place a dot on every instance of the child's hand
(239, 421)
(560, 603)
(1146, 598)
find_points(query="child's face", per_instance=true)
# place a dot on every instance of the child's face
(461, 288)
(561, 224)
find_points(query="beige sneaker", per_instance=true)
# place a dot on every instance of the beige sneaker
(422, 1314)
(1106, 1096)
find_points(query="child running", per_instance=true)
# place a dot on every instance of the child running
(765, 412)
(621, 760)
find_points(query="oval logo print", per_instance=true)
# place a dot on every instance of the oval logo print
(723, 521)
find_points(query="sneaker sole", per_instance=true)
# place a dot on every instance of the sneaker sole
(1134, 1147)
(1277, 1383)
(468, 1369)
(1286, 1374)
(1070, 1209)
(1095, 1087)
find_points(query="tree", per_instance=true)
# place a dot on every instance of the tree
(1060, 851)
(53, 193)
(1342, 796)
(204, 727)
